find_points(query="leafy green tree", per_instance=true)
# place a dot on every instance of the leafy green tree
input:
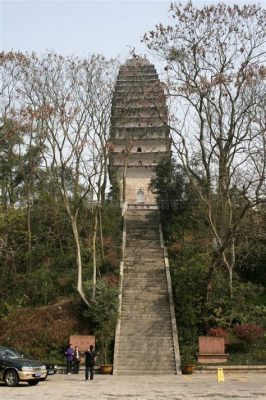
(103, 316)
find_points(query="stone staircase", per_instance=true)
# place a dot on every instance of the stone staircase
(145, 342)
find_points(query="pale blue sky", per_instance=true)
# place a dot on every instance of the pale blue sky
(82, 27)
(79, 27)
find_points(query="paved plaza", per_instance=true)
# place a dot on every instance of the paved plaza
(107, 387)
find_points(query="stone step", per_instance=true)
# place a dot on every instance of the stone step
(141, 228)
(146, 240)
(145, 229)
(139, 212)
(137, 350)
(144, 293)
(138, 371)
(151, 302)
(138, 331)
(141, 305)
(144, 261)
(140, 285)
(137, 344)
(143, 273)
(148, 252)
(150, 314)
(140, 275)
(146, 314)
(156, 364)
(146, 325)
(144, 222)
(146, 322)
(141, 220)
(137, 272)
(144, 237)
(146, 309)
(147, 363)
(146, 266)
(148, 368)
(149, 336)
(155, 275)
(146, 354)
(152, 346)
(148, 287)
(141, 242)
(130, 313)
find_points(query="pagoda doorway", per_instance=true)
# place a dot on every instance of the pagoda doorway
(140, 196)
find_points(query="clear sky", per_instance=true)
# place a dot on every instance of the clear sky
(82, 27)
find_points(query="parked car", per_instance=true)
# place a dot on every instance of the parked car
(51, 369)
(15, 368)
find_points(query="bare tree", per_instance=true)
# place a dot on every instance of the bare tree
(215, 61)
(62, 96)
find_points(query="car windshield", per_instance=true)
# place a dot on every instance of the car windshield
(10, 353)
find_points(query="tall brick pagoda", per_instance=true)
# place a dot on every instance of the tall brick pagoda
(139, 130)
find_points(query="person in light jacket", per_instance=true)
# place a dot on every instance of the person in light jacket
(76, 360)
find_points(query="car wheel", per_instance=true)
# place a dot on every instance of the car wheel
(33, 383)
(11, 378)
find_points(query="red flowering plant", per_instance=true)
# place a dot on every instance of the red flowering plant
(219, 332)
(248, 333)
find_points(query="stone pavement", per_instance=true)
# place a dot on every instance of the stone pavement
(245, 386)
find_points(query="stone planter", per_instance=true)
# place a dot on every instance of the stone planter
(106, 369)
(211, 350)
(187, 369)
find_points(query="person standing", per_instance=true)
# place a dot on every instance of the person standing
(70, 358)
(90, 358)
(76, 360)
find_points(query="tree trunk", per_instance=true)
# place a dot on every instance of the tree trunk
(101, 232)
(79, 261)
(94, 237)
(29, 235)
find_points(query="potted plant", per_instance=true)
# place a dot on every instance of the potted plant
(187, 364)
(106, 337)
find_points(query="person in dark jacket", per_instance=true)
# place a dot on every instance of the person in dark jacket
(90, 358)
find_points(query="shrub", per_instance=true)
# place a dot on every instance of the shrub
(218, 332)
(248, 332)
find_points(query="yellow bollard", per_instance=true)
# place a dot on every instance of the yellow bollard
(220, 375)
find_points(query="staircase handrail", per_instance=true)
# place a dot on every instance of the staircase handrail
(121, 275)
